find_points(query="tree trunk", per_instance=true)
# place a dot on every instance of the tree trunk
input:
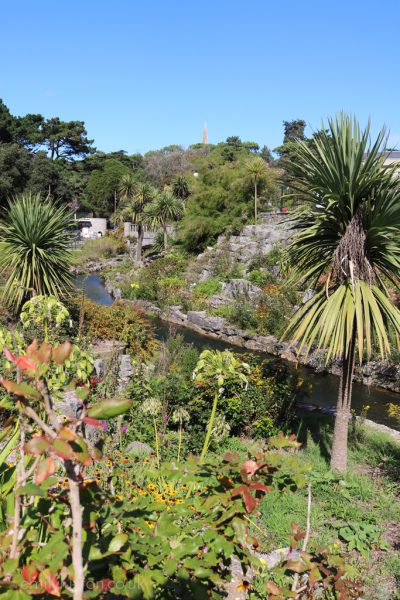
(255, 203)
(343, 407)
(76, 513)
(165, 236)
(139, 244)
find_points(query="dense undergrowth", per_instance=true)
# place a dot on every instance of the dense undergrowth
(156, 521)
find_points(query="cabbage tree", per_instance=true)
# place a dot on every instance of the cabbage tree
(347, 247)
(135, 197)
(35, 242)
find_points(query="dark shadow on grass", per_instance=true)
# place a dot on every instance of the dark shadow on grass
(317, 426)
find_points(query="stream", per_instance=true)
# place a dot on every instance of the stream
(324, 385)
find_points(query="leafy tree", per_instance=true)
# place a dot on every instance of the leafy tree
(162, 166)
(164, 209)
(294, 130)
(45, 177)
(6, 124)
(28, 131)
(256, 170)
(348, 247)
(135, 197)
(266, 155)
(15, 170)
(102, 187)
(66, 139)
(35, 240)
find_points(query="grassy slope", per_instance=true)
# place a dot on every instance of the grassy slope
(368, 493)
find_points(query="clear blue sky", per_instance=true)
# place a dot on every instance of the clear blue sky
(146, 74)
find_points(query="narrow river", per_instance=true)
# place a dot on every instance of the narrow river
(324, 385)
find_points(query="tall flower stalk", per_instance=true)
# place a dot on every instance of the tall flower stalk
(213, 370)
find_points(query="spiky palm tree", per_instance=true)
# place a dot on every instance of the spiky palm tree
(180, 187)
(35, 239)
(256, 169)
(135, 197)
(164, 209)
(347, 246)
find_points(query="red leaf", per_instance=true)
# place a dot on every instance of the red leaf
(26, 364)
(231, 456)
(49, 583)
(45, 470)
(67, 434)
(43, 355)
(260, 487)
(23, 362)
(61, 352)
(29, 574)
(37, 445)
(249, 502)
(21, 389)
(9, 356)
(251, 466)
(272, 588)
(63, 449)
(298, 566)
(90, 421)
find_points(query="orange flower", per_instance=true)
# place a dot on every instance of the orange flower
(244, 586)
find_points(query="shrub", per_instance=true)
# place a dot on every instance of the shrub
(240, 313)
(207, 288)
(103, 247)
(120, 321)
(274, 312)
(161, 280)
(261, 278)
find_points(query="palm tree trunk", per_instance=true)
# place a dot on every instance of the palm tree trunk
(340, 432)
(255, 203)
(165, 236)
(139, 244)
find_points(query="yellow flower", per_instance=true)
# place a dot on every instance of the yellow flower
(244, 586)
(179, 501)
(151, 487)
(149, 524)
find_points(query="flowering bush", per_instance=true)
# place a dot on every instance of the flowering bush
(87, 526)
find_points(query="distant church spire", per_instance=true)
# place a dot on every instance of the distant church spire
(205, 133)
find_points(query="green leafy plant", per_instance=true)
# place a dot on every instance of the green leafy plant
(360, 536)
(346, 247)
(212, 370)
(120, 321)
(43, 313)
(207, 288)
(35, 241)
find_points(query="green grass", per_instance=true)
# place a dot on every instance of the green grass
(367, 494)
(92, 250)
